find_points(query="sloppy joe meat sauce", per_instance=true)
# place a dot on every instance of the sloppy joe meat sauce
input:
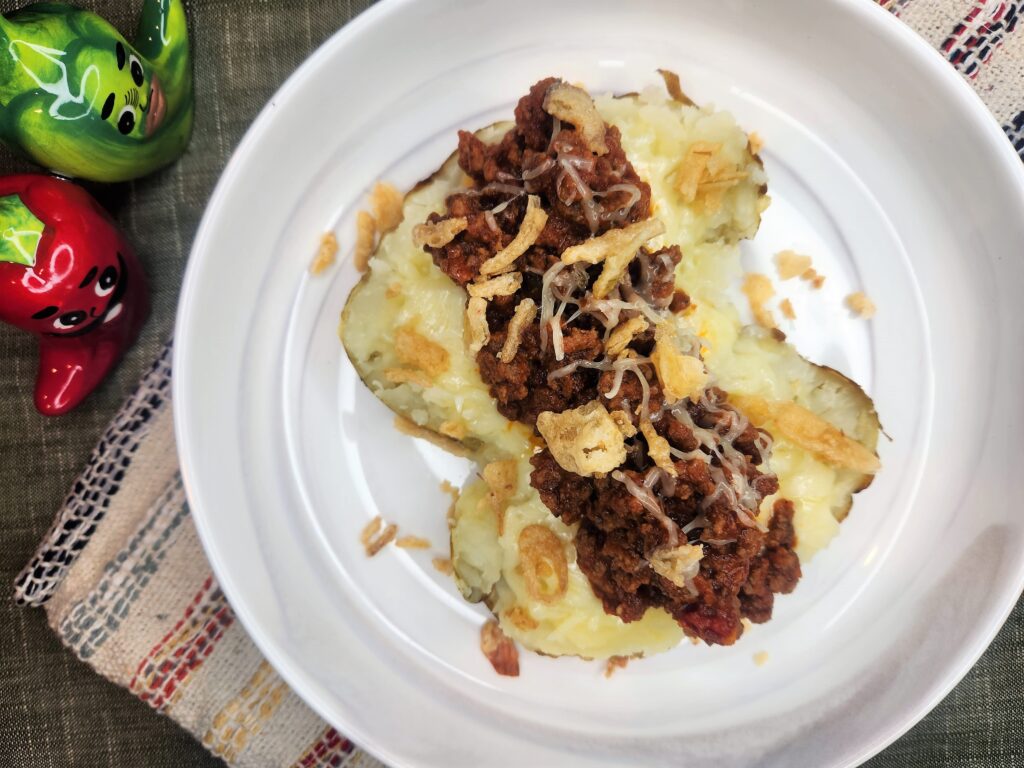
(584, 195)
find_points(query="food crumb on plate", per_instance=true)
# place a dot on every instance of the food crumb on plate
(412, 542)
(812, 277)
(499, 649)
(761, 658)
(861, 305)
(786, 308)
(443, 565)
(376, 535)
(325, 254)
(614, 663)
(790, 264)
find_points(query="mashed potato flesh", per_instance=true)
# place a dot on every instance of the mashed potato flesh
(404, 288)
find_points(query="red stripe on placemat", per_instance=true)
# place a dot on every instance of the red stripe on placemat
(330, 750)
(980, 34)
(183, 650)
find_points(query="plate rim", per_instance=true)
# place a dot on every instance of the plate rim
(873, 16)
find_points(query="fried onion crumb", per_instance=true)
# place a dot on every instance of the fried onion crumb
(374, 539)
(790, 264)
(615, 663)
(366, 234)
(861, 305)
(786, 308)
(438, 234)
(412, 542)
(443, 565)
(325, 254)
(673, 87)
(755, 142)
(386, 202)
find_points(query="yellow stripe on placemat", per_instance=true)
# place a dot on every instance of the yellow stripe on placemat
(244, 716)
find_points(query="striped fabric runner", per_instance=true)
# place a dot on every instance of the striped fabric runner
(119, 572)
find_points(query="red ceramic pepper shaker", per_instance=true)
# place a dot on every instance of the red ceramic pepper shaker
(68, 275)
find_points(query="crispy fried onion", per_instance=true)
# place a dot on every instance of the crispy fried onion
(678, 564)
(542, 559)
(501, 478)
(574, 105)
(681, 375)
(674, 89)
(520, 618)
(476, 323)
(374, 539)
(624, 423)
(809, 431)
(325, 254)
(583, 440)
(417, 351)
(703, 174)
(502, 285)
(530, 229)
(658, 448)
(386, 202)
(499, 649)
(616, 248)
(407, 376)
(526, 310)
(366, 234)
(439, 233)
(790, 264)
(623, 334)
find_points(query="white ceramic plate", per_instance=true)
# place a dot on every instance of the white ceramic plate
(882, 164)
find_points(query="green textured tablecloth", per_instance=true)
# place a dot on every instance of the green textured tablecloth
(54, 711)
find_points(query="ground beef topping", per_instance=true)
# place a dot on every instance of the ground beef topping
(586, 342)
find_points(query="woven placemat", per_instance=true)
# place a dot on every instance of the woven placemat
(122, 576)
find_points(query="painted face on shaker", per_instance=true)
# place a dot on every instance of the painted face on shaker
(128, 95)
(94, 301)
(80, 99)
